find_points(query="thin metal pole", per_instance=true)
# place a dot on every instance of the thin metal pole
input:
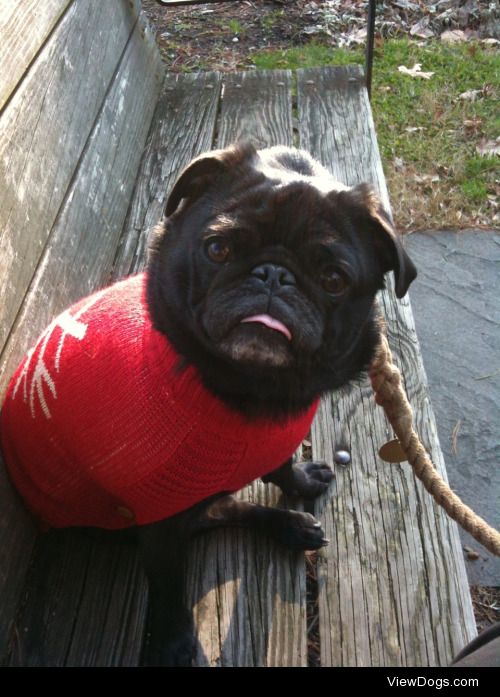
(370, 43)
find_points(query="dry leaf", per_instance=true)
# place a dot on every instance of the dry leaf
(488, 148)
(427, 178)
(413, 129)
(422, 29)
(471, 95)
(416, 71)
(406, 5)
(454, 36)
(313, 29)
(358, 36)
(471, 553)
(471, 125)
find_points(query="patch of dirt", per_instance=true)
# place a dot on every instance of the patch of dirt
(486, 603)
(222, 36)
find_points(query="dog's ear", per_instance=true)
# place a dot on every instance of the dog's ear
(387, 243)
(202, 172)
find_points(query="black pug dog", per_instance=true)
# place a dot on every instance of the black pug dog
(258, 298)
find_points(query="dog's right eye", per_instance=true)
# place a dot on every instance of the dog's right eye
(218, 249)
(333, 282)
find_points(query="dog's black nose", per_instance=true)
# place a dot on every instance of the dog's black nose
(273, 275)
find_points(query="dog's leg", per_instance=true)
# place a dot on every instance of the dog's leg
(306, 479)
(291, 528)
(163, 550)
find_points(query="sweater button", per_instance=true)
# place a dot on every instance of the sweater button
(125, 513)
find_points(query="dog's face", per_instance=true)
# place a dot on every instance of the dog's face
(264, 275)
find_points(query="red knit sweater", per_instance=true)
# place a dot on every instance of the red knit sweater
(99, 427)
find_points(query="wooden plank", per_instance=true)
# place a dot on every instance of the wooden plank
(257, 106)
(78, 259)
(24, 28)
(183, 127)
(249, 593)
(80, 251)
(43, 131)
(84, 604)
(393, 588)
(17, 539)
(249, 596)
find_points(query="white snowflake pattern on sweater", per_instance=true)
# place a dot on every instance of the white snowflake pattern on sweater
(34, 386)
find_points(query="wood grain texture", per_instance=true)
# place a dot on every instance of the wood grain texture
(393, 589)
(257, 107)
(249, 594)
(24, 27)
(84, 604)
(80, 250)
(43, 131)
(183, 127)
(103, 594)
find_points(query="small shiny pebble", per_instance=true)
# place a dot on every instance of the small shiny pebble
(342, 457)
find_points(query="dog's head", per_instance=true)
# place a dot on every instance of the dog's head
(264, 272)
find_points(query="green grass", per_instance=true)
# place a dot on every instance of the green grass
(449, 128)
(308, 56)
(235, 27)
(182, 26)
(269, 20)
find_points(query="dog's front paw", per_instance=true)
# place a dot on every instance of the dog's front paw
(298, 530)
(310, 479)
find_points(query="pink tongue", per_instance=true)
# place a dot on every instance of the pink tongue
(271, 323)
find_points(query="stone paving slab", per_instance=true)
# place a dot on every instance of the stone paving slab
(456, 304)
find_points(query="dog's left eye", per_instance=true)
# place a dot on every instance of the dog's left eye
(217, 249)
(333, 282)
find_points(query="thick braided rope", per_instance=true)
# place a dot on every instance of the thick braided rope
(389, 393)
